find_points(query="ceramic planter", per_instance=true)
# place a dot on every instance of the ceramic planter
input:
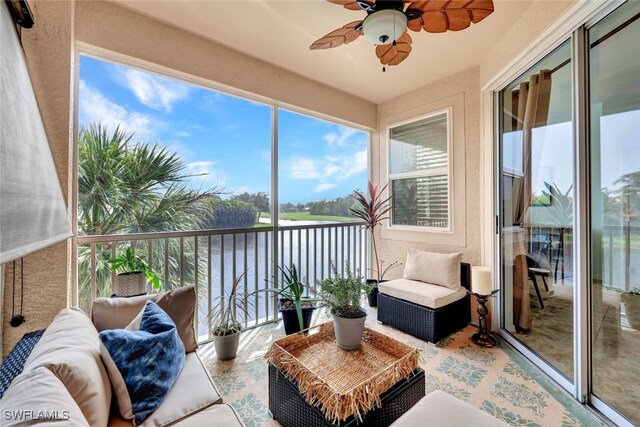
(131, 284)
(226, 345)
(290, 318)
(349, 331)
(372, 296)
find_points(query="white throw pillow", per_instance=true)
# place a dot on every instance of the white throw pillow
(434, 268)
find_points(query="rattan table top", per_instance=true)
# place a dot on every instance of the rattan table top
(340, 382)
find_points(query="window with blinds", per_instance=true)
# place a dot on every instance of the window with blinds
(419, 172)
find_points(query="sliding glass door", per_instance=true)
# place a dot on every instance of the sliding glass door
(614, 89)
(539, 141)
(536, 144)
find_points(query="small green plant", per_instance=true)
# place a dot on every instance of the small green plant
(130, 263)
(292, 290)
(341, 295)
(225, 315)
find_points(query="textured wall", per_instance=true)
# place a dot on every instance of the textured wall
(48, 49)
(120, 30)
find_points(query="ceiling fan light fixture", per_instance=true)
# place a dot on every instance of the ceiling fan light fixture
(384, 26)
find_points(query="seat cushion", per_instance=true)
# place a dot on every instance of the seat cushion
(435, 268)
(424, 294)
(38, 395)
(193, 391)
(143, 364)
(70, 348)
(444, 410)
(179, 304)
(215, 415)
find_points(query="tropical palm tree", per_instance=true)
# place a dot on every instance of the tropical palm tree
(126, 187)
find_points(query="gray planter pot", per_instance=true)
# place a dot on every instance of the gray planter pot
(348, 332)
(226, 346)
(130, 284)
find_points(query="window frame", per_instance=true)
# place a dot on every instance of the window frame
(448, 111)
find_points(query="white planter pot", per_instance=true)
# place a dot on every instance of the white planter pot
(349, 332)
(226, 346)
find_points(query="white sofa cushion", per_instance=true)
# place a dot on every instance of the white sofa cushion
(444, 410)
(424, 294)
(434, 268)
(70, 348)
(193, 390)
(38, 397)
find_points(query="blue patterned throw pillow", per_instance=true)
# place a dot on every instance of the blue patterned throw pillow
(143, 364)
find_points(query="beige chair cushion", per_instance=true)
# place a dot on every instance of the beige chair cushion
(222, 415)
(179, 304)
(434, 268)
(38, 394)
(70, 348)
(443, 410)
(424, 294)
(193, 390)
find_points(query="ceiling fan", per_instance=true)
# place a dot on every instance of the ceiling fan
(387, 21)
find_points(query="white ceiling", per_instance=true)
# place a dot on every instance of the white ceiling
(280, 32)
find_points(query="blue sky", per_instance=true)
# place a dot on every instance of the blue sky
(224, 137)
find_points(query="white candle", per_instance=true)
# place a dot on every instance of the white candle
(481, 280)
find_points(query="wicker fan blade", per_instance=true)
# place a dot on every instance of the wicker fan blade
(439, 16)
(352, 4)
(390, 54)
(335, 38)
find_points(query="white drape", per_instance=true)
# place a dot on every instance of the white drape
(33, 214)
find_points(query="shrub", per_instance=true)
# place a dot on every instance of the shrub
(231, 214)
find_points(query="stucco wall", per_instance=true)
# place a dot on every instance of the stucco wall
(48, 49)
(120, 30)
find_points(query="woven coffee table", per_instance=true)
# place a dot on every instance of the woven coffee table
(312, 382)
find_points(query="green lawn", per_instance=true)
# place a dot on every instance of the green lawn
(306, 216)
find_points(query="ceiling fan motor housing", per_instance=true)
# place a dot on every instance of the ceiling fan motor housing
(384, 26)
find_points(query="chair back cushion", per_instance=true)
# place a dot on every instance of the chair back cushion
(70, 349)
(179, 304)
(435, 268)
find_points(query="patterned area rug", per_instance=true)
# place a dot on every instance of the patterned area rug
(497, 381)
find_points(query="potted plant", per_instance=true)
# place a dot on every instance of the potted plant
(226, 320)
(342, 297)
(373, 209)
(134, 274)
(295, 308)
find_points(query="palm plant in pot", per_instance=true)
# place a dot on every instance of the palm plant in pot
(372, 208)
(295, 308)
(227, 315)
(134, 274)
(342, 296)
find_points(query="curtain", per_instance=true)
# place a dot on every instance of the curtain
(33, 213)
(531, 109)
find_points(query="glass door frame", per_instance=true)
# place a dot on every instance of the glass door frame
(580, 388)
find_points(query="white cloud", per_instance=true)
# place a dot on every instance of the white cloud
(324, 187)
(209, 175)
(337, 139)
(338, 167)
(95, 107)
(153, 91)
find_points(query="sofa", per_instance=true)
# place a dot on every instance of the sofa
(64, 378)
(431, 300)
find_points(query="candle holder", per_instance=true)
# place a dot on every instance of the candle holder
(483, 337)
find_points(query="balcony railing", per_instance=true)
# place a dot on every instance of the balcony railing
(211, 259)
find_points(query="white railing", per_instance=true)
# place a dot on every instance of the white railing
(211, 259)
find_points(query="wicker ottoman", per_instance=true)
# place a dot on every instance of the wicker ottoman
(289, 407)
(444, 410)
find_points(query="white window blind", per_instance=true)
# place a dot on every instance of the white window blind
(419, 160)
(33, 213)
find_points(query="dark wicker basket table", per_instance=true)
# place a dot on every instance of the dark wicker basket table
(289, 407)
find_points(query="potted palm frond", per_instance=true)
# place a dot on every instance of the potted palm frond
(226, 320)
(296, 309)
(342, 296)
(373, 208)
(134, 274)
